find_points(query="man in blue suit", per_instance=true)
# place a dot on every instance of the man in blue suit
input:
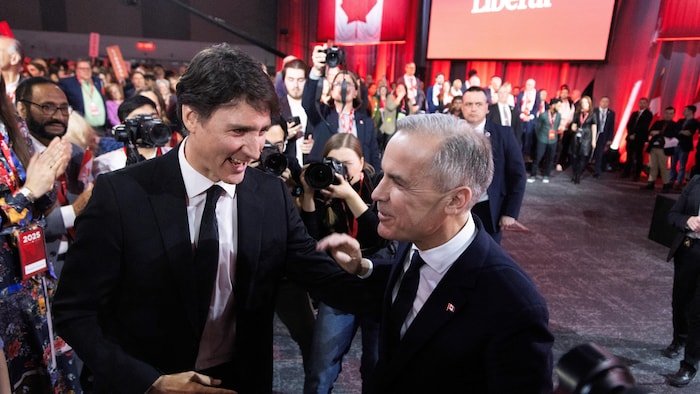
(499, 207)
(458, 314)
(606, 120)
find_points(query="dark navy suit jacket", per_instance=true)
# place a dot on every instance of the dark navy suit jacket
(484, 329)
(507, 188)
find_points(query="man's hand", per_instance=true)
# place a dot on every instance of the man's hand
(307, 145)
(506, 221)
(694, 224)
(294, 131)
(82, 200)
(187, 382)
(346, 252)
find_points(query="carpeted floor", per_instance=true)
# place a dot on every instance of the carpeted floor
(586, 246)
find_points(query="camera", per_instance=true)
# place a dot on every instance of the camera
(592, 369)
(272, 161)
(142, 130)
(321, 175)
(334, 56)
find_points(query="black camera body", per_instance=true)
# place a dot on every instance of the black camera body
(142, 130)
(321, 175)
(334, 56)
(272, 161)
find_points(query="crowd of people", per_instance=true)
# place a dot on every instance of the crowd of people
(406, 187)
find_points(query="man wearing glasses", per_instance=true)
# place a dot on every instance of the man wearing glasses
(84, 93)
(45, 108)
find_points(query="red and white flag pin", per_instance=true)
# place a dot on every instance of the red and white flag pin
(450, 307)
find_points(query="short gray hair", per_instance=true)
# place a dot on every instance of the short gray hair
(464, 157)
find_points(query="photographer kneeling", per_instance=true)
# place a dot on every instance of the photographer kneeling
(338, 199)
(143, 134)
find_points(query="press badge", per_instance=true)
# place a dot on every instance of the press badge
(32, 251)
(552, 134)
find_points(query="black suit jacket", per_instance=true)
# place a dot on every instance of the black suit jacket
(74, 93)
(324, 121)
(685, 207)
(507, 188)
(639, 126)
(605, 131)
(127, 299)
(484, 329)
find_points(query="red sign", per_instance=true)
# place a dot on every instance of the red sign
(115, 57)
(94, 45)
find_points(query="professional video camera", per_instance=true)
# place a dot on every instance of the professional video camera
(142, 130)
(321, 175)
(271, 160)
(591, 369)
(334, 56)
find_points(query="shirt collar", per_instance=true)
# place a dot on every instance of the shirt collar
(38, 146)
(196, 183)
(441, 258)
(481, 127)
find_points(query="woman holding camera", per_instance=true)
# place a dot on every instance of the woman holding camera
(37, 360)
(340, 115)
(342, 207)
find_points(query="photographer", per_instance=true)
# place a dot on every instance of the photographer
(339, 115)
(341, 207)
(131, 109)
(273, 159)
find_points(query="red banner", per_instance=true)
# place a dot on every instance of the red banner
(115, 57)
(362, 21)
(94, 50)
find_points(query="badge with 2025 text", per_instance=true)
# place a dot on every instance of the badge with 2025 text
(32, 252)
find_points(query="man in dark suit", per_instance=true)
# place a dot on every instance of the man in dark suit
(85, 95)
(170, 284)
(414, 88)
(504, 114)
(458, 314)
(637, 135)
(33, 95)
(685, 251)
(500, 206)
(606, 131)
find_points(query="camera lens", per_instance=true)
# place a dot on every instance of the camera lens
(319, 175)
(275, 164)
(159, 133)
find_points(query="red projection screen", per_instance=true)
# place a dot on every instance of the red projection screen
(519, 29)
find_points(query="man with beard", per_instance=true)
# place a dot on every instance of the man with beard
(44, 106)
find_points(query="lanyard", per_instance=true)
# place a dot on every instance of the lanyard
(583, 117)
(10, 178)
(347, 121)
(350, 219)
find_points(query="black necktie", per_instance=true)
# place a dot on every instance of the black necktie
(404, 299)
(207, 252)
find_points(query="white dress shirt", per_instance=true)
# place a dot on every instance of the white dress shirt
(216, 345)
(437, 261)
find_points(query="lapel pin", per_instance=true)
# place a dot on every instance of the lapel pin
(450, 307)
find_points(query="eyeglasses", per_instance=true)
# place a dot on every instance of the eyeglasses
(50, 109)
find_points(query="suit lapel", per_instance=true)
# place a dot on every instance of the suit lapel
(249, 231)
(169, 204)
(448, 300)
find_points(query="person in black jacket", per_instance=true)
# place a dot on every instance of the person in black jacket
(685, 251)
(637, 135)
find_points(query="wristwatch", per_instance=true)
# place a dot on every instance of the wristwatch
(27, 194)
